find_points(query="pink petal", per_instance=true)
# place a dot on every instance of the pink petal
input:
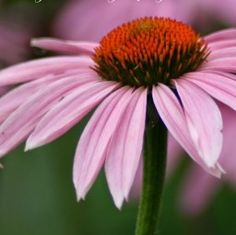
(63, 46)
(218, 86)
(3, 90)
(203, 119)
(21, 122)
(221, 53)
(217, 72)
(38, 68)
(197, 191)
(52, 125)
(221, 35)
(93, 144)
(123, 155)
(135, 190)
(218, 45)
(228, 159)
(223, 65)
(14, 98)
(173, 116)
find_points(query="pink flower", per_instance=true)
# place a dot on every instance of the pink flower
(74, 21)
(12, 45)
(109, 15)
(15, 31)
(224, 11)
(145, 57)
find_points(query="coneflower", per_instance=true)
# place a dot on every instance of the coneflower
(148, 76)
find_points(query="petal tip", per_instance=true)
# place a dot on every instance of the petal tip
(30, 146)
(217, 171)
(33, 42)
(80, 191)
(3, 152)
(119, 203)
(80, 196)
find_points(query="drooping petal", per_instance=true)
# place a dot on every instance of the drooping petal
(123, 155)
(226, 34)
(14, 98)
(224, 65)
(203, 119)
(22, 121)
(94, 142)
(218, 86)
(68, 112)
(135, 190)
(64, 46)
(173, 116)
(228, 151)
(38, 68)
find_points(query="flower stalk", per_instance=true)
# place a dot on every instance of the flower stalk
(155, 150)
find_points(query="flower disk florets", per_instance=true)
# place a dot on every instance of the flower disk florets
(149, 50)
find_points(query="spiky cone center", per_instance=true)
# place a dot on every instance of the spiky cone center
(149, 50)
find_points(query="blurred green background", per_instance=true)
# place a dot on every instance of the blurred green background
(37, 195)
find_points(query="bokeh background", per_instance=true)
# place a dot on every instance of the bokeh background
(36, 192)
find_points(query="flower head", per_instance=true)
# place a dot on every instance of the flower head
(159, 57)
(149, 50)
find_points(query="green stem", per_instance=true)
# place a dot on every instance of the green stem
(153, 178)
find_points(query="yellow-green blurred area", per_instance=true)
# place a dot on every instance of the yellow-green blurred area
(37, 195)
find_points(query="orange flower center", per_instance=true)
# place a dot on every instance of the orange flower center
(149, 50)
